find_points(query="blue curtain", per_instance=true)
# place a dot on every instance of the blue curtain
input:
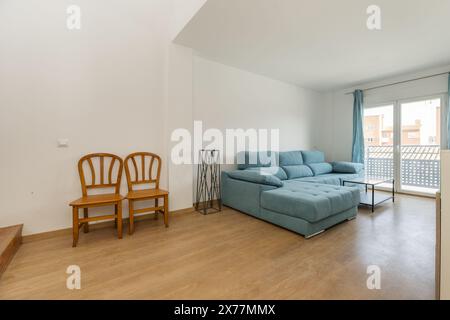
(358, 133)
(448, 114)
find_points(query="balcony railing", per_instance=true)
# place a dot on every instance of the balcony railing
(420, 164)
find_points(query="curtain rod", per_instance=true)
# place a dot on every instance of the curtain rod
(404, 81)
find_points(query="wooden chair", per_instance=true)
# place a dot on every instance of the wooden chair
(109, 179)
(145, 171)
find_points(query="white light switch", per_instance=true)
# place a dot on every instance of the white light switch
(63, 143)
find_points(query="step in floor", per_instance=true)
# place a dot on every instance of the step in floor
(10, 241)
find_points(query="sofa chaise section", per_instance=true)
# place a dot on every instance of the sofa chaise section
(309, 201)
(303, 196)
(242, 195)
(305, 208)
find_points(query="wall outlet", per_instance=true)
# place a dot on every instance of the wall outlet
(63, 143)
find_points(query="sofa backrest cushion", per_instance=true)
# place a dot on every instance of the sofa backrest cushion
(320, 168)
(256, 159)
(290, 158)
(313, 156)
(276, 171)
(347, 167)
(255, 177)
(298, 171)
(292, 163)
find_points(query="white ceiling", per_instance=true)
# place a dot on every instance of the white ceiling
(322, 44)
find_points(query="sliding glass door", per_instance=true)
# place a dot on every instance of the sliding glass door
(379, 141)
(402, 141)
(420, 143)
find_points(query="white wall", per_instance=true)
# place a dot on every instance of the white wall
(102, 87)
(224, 97)
(118, 85)
(341, 106)
(227, 97)
(182, 12)
(179, 115)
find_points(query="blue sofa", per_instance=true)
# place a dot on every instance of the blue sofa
(297, 190)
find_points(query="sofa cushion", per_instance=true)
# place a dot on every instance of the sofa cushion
(252, 159)
(330, 178)
(256, 177)
(309, 201)
(313, 156)
(276, 171)
(298, 171)
(320, 168)
(347, 167)
(290, 158)
(292, 163)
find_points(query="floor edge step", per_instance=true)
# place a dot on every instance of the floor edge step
(10, 241)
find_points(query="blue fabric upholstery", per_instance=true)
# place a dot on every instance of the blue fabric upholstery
(242, 195)
(298, 171)
(305, 227)
(313, 156)
(320, 168)
(347, 167)
(292, 163)
(256, 177)
(250, 159)
(305, 203)
(276, 171)
(331, 178)
(290, 158)
(245, 196)
(358, 133)
(309, 201)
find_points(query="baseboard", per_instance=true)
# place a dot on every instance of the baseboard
(10, 241)
(99, 225)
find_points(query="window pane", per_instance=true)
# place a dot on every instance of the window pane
(420, 145)
(379, 142)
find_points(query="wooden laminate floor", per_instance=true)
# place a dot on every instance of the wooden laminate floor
(230, 255)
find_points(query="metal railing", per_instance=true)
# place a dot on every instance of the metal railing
(420, 164)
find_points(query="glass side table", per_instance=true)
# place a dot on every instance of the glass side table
(372, 199)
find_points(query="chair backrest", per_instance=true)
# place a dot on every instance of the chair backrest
(144, 169)
(102, 172)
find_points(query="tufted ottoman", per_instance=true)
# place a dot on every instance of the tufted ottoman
(315, 205)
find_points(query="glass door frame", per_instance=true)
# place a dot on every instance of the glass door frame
(385, 104)
(397, 132)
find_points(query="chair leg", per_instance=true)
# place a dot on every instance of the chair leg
(115, 216)
(86, 224)
(156, 211)
(166, 211)
(75, 226)
(131, 217)
(119, 219)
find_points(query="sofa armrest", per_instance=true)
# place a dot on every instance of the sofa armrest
(347, 167)
(256, 177)
(242, 195)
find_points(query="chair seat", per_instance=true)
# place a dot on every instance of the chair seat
(147, 193)
(97, 199)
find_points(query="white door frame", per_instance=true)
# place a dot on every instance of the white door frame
(397, 124)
